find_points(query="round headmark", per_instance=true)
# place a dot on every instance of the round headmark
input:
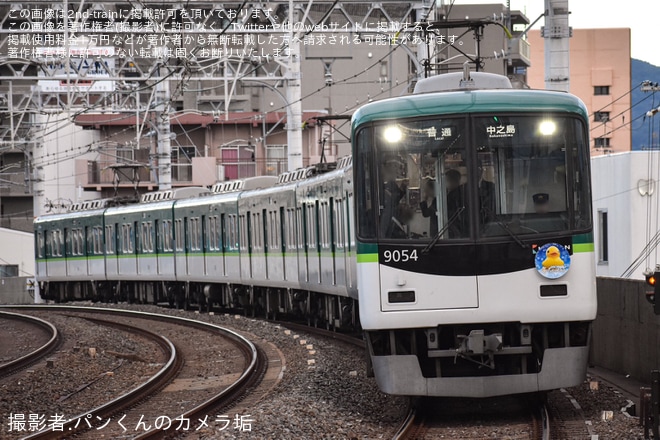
(552, 260)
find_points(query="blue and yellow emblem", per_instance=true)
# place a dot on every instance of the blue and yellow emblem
(552, 260)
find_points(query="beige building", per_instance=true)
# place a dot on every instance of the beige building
(601, 77)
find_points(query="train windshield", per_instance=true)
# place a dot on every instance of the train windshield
(532, 175)
(466, 178)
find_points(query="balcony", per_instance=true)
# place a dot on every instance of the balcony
(14, 185)
(100, 175)
(520, 53)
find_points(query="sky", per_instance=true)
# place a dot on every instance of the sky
(641, 16)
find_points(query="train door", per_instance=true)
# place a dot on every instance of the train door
(40, 252)
(326, 256)
(179, 239)
(76, 264)
(194, 251)
(338, 241)
(351, 260)
(89, 250)
(67, 250)
(264, 243)
(290, 246)
(303, 247)
(223, 244)
(249, 243)
(95, 264)
(111, 249)
(203, 245)
(213, 243)
(127, 261)
(281, 251)
(313, 245)
(158, 245)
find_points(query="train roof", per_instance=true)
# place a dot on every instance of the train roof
(69, 215)
(469, 101)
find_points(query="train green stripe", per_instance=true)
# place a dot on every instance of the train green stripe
(583, 247)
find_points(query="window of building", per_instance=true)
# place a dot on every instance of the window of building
(238, 161)
(276, 160)
(8, 270)
(602, 142)
(601, 116)
(603, 245)
(182, 162)
(601, 90)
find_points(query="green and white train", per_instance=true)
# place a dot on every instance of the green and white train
(458, 236)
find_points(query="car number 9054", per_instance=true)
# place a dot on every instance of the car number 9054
(399, 255)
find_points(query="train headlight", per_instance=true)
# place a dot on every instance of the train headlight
(547, 128)
(393, 134)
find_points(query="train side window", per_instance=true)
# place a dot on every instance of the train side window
(340, 227)
(178, 234)
(300, 228)
(124, 238)
(59, 243)
(215, 231)
(127, 238)
(195, 233)
(350, 238)
(283, 228)
(364, 181)
(291, 242)
(97, 237)
(324, 224)
(40, 244)
(145, 237)
(311, 227)
(109, 239)
(243, 240)
(167, 235)
(211, 233)
(150, 236)
(70, 246)
(256, 231)
(230, 239)
(74, 242)
(81, 242)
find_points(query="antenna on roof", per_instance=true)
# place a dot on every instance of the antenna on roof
(466, 82)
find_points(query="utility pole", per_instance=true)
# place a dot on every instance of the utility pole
(164, 150)
(294, 97)
(556, 34)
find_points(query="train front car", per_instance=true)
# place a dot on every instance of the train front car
(476, 275)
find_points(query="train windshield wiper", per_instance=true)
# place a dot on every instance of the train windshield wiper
(511, 233)
(437, 236)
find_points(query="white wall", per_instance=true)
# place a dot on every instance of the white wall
(17, 248)
(54, 161)
(633, 217)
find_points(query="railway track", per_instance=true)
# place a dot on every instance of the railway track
(22, 362)
(176, 393)
(513, 418)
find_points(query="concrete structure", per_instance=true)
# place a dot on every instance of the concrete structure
(600, 76)
(626, 217)
(204, 150)
(16, 253)
(626, 337)
(17, 290)
(16, 267)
